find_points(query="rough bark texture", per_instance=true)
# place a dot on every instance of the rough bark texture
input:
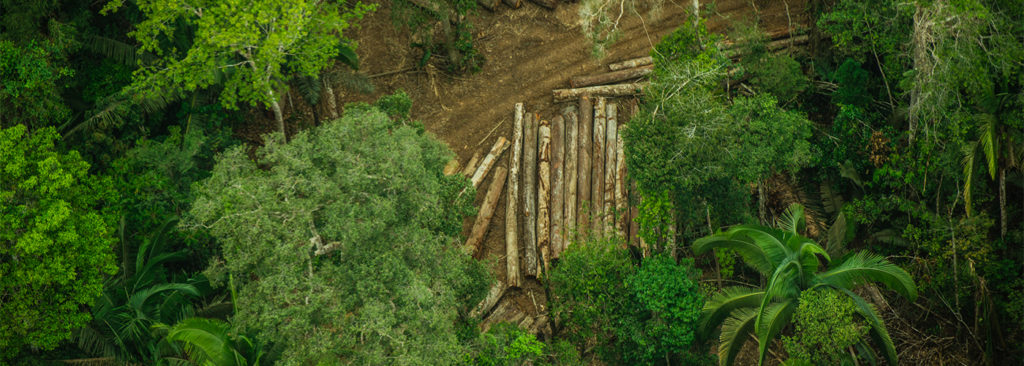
(615, 90)
(570, 173)
(621, 199)
(493, 295)
(332, 103)
(530, 196)
(544, 195)
(631, 63)
(483, 219)
(611, 144)
(586, 162)
(512, 202)
(470, 167)
(597, 173)
(557, 185)
(610, 77)
(489, 160)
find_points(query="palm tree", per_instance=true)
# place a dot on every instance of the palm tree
(1002, 147)
(209, 342)
(790, 262)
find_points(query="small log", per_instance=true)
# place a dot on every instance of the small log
(631, 63)
(735, 52)
(611, 115)
(538, 325)
(527, 322)
(557, 185)
(570, 173)
(514, 4)
(451, 167)
(597, 173)
(530, 195)
(550, 4)
(614, 90)
(610, 77)
(471, 165)
(544, 196)
(512, 202)
(489, 4)
(586, 163)
(621, 199)
(484, 307)
(489, 160)
(483, 219)
(502, 312)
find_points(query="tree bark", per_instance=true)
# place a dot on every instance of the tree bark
(332, 103)
(557, 185)
(512, 202)
(597, 173)
(586, 162)
(631, 63)
(621, 201)
(483, 308)
(278, 116)
(483, 219)
(544, 196)
(491, 158)
(611, 131)
(530, 195)
(615, 90)
(570, 175)
(610, 77)
(471, 166)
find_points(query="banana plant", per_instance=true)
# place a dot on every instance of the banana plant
(791, 263)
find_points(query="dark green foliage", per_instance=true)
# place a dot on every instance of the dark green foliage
(827, 324)
(668, 303)
(779, 75)
(505, 344)
(853, 85)
(31, 80)
(55, 246)
(344, 252)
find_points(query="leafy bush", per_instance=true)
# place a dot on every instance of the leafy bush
(506, 344)
(826, 325)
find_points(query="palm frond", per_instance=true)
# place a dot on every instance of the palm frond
(770, 322)
(864, 267)
(751, 253)
(836, 239)
(793, 219)
(736, 330)
(139, 299)
(830, 199)
(121, 52)
(206, 340)
(771, 240)
(989, 141)
(877, 330)
(725, 303)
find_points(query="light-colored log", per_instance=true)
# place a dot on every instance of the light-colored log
(621, 193)
(614, 90)
(570, 177)
(539, 325)
(631, 63)
(492, 157)
(586, 163)
(451, 167)
(610, 77)
(471, 166)
(557, 185)
(611, 138)
(483, 308)
(530, 262)
(597, 172)
(544, 195)
(483, 219)
(512, 201)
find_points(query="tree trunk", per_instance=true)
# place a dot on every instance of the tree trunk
(483, 219)
(621, 202)
(586, 163)
(611, 131)
(597, 174)
(512, 202)
(470, 167)
(491, 158)
(278, 116)
(514, 4)
(530, 195)
(631, 63)
(610, 77)
(614, 90)
(544, 195)
(489, 4)
(557, 185)
(570, 173)
(332, 103)
(484, 307)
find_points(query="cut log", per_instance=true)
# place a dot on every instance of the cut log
(484, 307)
(597, 172)
(538, 325)
(550, 4)
(570, 175)
(610, 77)
(504, 311)
(483, 219)
(489, 4)
(631, 63)
(772, 46)
(512, 202)
(530, 196)
(489, 160)
(470, 167)
(586, 163)
(544, 195)
(614, 90)
(621, 199)
(557, 185)
(451, 167)
(514, 4)
(611, 138)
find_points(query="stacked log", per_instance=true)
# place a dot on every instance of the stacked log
(512, 200)
(484, 307)
(614, 90)
(557, 185)
(483, 219)
(621, 199)
(597, 172)
(530, 195)
(471, 165)
(544, 195)
(550, 4)
(489, 4)
(570, 177)
(514, 4)
(491, 158)
(631, 63)
(611, 115)
(610, 77)
(585, 161)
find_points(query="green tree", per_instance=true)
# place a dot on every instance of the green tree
(248, 47)
(790, 264)
(826, 326)
(55, 248)
(31, 80)
(339, 242)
